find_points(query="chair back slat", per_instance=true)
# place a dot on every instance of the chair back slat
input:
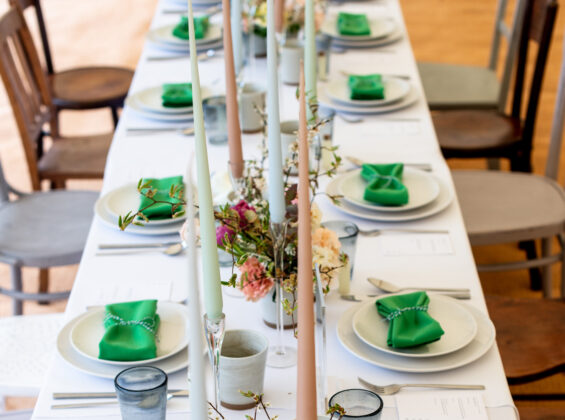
(556, 140)
(500, 30)
(26, 85)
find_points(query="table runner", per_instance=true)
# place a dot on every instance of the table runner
(406, 136)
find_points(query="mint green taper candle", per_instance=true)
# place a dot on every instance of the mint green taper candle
(310, 56)
(210, 267)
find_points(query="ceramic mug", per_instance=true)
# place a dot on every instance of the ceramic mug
(291, 54)
(242, 367)
(252, 97)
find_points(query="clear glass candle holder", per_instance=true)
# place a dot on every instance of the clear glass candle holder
(142, 393)
(358, 404)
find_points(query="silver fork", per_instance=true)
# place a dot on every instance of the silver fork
(377, 232)
(394, 388)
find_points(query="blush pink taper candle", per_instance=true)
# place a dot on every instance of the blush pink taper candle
(306, 387)
(279, 15)
(232, 110)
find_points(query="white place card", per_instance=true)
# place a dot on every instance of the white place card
(400, 245)
(441, 405)
(129, 290)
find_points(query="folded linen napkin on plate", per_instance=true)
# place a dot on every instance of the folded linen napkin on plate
(410, 323)
(130, 331)
(385, 185)
(368, 87)
(177, 95)
(201, 24)
(353, 24)
(162, 188)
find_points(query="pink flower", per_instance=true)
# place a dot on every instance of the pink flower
(255, 283)
(221, 232)
(241, 208)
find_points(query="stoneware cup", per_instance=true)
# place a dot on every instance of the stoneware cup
(289, 135)
(291, 53)
(252, 97)
(242, 367)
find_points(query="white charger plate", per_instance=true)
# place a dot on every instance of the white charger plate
(164, 35)
(459, 326)
(395, 89)
(412, 97)
(423, 189)
(184, 48)
(380, 28)
(133, 104)
(151, 100)
(478, 346)
(122, 200)
(441, 203)
(100, 209)
(95, 368)
(170, 338)
(396, 35)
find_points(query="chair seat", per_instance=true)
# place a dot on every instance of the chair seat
(75, 158)
(474, 132)
(529, 334)
(90, 87)
(500, 207)
(46, 229)
(449, 86)
(541, 413)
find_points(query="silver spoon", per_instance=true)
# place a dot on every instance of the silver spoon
(349, 119)
(170, 251)
(393, 288)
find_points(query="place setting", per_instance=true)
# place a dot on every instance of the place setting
(392, 192)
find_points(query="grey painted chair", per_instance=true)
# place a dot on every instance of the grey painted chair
(501, 207)
(43, 229)
(451, 86)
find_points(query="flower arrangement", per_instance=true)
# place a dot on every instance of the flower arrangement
(294, 14)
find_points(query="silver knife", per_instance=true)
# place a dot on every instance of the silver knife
(78, 395)
(136, 246)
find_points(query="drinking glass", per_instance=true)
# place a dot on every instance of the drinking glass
(215, 119)
(142, 393)
(358, 404)
(347, 233)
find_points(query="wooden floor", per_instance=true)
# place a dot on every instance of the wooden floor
(110, 32)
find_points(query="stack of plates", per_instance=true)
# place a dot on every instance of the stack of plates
(163, 38)
(147, 103)
(469, 334)
(399, 93)
(122, 200)
(77, 342)
(428, 195)
(384, 31)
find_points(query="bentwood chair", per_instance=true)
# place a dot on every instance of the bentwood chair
(43, 230)
(28, 89)
(494, 134)
(83, 87)
(502, 207)
(452, 86)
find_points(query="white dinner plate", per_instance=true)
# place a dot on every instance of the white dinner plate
(396, 35)
(443, 200)
(122, 200)
(133, 104)
(459, 326)
(72, 357)
(478, 346)
(151, 100)
(164, 35)
(100, 209)
(170, 338)
(423, 189)
(380, 28)
(184, 48)
(395, 89)
(412, 97)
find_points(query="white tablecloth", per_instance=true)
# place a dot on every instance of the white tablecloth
(406, 135)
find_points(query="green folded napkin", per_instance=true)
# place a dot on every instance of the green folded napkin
(177, 95)
(410, 323)
(352, 24)
(162, 187)
(130, 331)
(385, 185)
(369, 87)
(201, 24)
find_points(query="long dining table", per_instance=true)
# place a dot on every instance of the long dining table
(406, 135)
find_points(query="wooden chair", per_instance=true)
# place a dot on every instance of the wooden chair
(492, 134)
(30, 97)
(501, 207)
(452, 86)
(84, 87)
